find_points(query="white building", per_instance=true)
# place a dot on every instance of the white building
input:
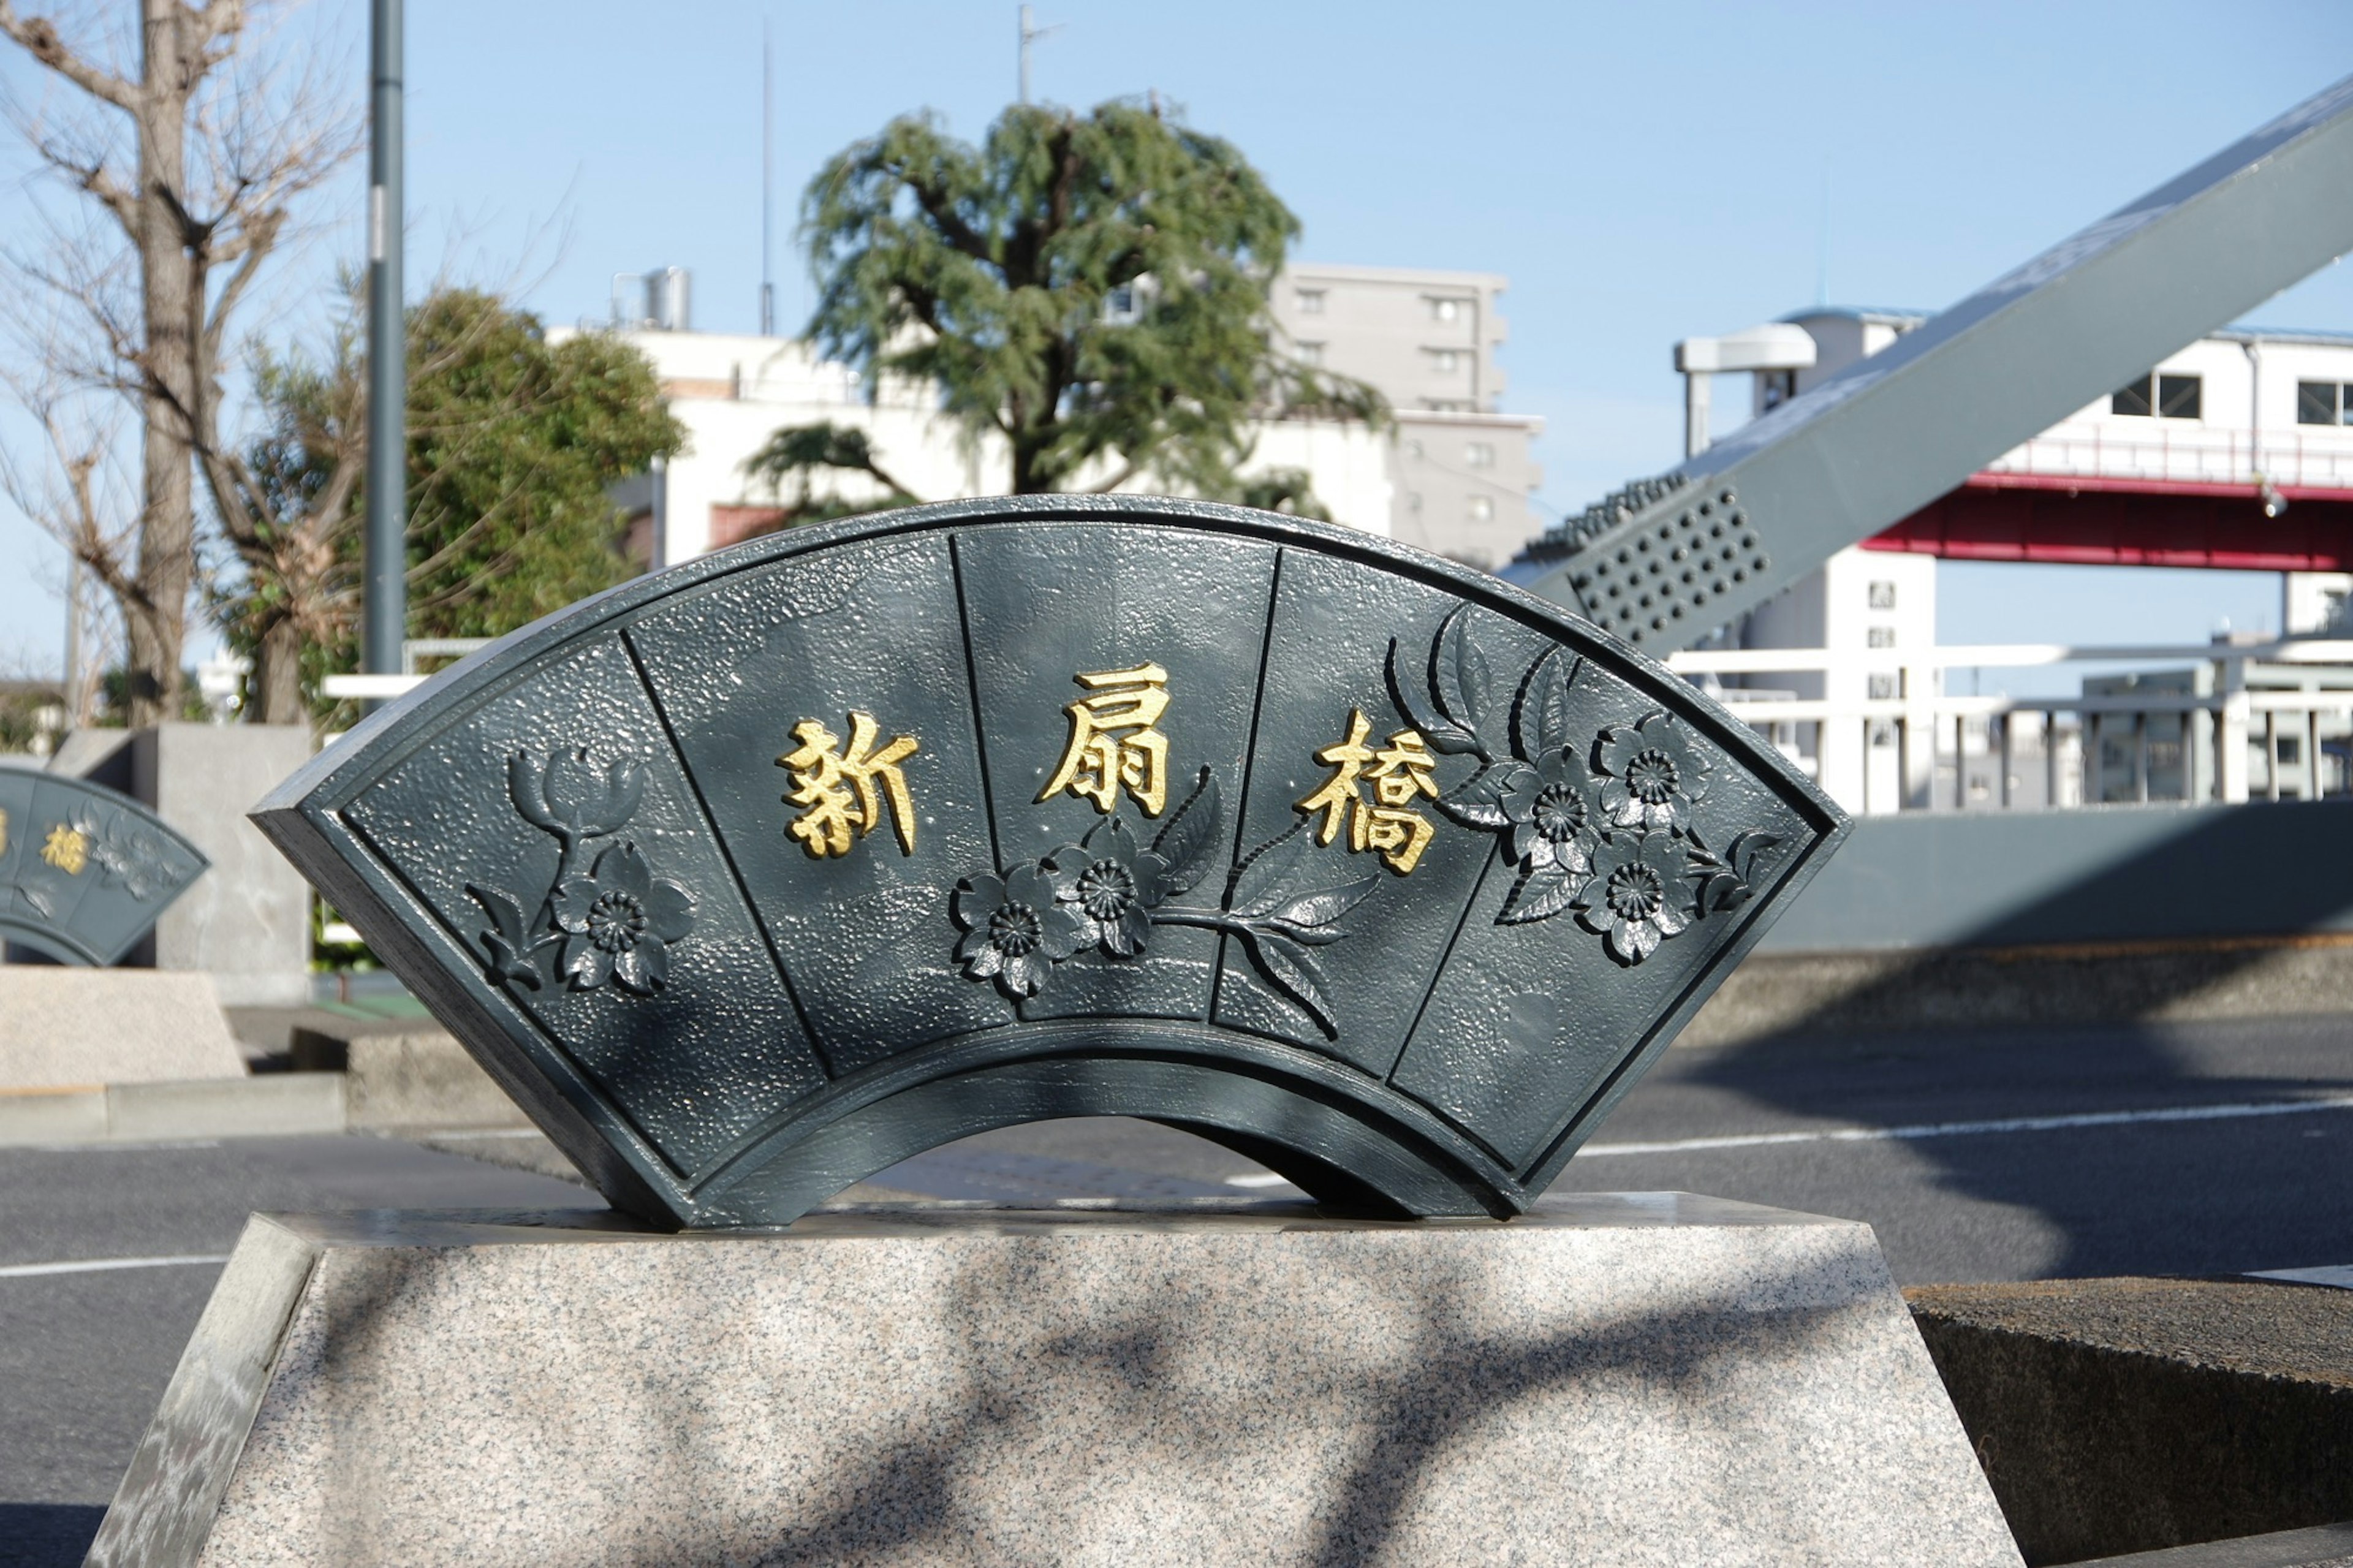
(732, 393)
(1453, 477)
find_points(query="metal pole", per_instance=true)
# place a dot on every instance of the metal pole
(385, 607)
(1696, 412)
(75, 718)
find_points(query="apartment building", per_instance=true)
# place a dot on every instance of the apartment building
(1461, 469)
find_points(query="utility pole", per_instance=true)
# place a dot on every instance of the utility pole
(767, 185)
(385, 603)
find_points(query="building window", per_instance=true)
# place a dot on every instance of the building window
(1119, 305)
(2164, 396)
(1445, 361)
(1448, 310)
(1780, 386)
(1311, 353)
(2320, 403)
(1480, 454)
(1310, 301)
(1882, 595)
(1882, 687)
(1481, 508)
(1880, 636)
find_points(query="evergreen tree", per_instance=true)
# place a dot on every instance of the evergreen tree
(1090, 289)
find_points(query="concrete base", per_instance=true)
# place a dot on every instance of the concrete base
(416, 1077)
(64, 1027)
(1613, 1379)
(2119, 1416)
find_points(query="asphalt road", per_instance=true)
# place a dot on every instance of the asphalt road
(2204, 1149)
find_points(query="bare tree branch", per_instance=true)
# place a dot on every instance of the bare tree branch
(38, 37)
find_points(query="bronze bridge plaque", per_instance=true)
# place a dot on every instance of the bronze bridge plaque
(755, 877)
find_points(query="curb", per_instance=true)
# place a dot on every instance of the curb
(270, 1105)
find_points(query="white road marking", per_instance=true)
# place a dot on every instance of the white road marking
(99, 1265)
(469, 1134)
(118, 1146)
(1977, 1129)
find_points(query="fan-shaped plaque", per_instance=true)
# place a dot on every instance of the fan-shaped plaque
(85, 871)
(753, 878)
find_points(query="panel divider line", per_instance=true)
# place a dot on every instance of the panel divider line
(1250, 762)
(979, 736)
(972, 686)
(1495, 858)
(735, 871)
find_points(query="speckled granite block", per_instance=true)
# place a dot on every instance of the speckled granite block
(1613, 1379)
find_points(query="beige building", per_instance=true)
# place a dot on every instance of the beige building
(1461, 468)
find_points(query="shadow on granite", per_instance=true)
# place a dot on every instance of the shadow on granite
(1661, 1376)
(47, 1534)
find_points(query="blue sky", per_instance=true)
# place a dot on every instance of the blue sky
(1641, 173)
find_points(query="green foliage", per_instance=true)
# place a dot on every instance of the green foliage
(1285, 491)
(31, 713)
(796, 454)
(1090, 289)
(512, 444)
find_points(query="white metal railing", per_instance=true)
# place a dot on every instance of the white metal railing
(2259, 721)
(2228, 722)
(2178, 452)
(383, 687)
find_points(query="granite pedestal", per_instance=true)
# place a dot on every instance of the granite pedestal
(1611, 1379)
(63, 1028)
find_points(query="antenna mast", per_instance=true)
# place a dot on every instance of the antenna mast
(1030, 33)
(767, 185)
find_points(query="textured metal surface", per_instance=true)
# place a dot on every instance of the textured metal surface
(1891, 433)
(84, 871)
(755, 877)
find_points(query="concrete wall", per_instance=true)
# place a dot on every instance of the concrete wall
(247, 922)
(2104, 874)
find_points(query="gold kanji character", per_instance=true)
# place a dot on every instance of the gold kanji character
(68, 849)
(1399, 774)
(1343, 792)
(1402, 771)
(1113, 742)
(839, 790)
